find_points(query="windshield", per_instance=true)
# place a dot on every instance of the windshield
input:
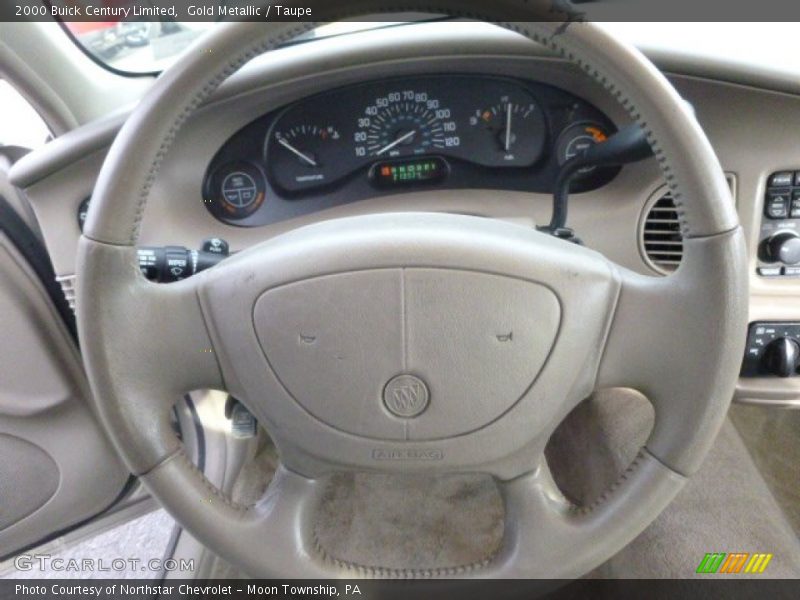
(136, 47)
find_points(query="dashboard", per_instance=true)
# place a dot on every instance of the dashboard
(380, 137)
(239, 170)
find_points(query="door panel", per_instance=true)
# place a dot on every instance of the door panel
(57, 468)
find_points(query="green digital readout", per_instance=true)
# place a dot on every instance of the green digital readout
(399, 173)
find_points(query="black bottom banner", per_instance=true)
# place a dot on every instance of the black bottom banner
(237, 589)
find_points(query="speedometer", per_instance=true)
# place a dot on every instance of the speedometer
(405, 123)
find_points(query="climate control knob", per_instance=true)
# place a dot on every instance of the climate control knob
(783, 247)
(782, 357)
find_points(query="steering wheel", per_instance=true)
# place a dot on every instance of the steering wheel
(415, 342)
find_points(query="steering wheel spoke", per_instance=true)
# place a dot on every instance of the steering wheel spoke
(548, 537)
(672, 340)
(283, 518)
(151, 342)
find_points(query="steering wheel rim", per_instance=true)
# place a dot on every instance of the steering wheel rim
(627, 317)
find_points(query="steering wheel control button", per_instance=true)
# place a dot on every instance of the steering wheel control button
(406, 396)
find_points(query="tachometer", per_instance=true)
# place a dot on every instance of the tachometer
(405, 123)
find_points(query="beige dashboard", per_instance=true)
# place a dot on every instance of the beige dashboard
(751, 129)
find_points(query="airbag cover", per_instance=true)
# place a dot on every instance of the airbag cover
(477, 340)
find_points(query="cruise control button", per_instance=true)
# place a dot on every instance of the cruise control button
(769, 271)
(782, 179)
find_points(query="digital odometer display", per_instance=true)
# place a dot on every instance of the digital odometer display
(408, 172)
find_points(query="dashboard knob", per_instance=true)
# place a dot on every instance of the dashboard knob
(782, 357)
(783, 246)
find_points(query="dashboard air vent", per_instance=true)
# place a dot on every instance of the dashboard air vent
(661, 235)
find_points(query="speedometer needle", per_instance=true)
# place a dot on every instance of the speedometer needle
(297, 152)
(398, 141)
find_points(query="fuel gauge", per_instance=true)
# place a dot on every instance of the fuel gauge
(512, 131)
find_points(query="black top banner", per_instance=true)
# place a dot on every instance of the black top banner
(296, 10)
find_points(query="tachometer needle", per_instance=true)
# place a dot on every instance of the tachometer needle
(508, 127)
(397, 142)
(297, 152)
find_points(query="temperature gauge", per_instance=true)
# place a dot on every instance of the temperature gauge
(303, 156)
(513, 130)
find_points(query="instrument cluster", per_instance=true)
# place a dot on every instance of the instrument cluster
(383, 137)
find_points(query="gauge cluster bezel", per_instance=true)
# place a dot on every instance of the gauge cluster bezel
(340, 109)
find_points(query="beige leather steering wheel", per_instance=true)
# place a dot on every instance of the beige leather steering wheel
(415, 294)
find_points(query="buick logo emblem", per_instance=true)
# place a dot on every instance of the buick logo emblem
(406, 396)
